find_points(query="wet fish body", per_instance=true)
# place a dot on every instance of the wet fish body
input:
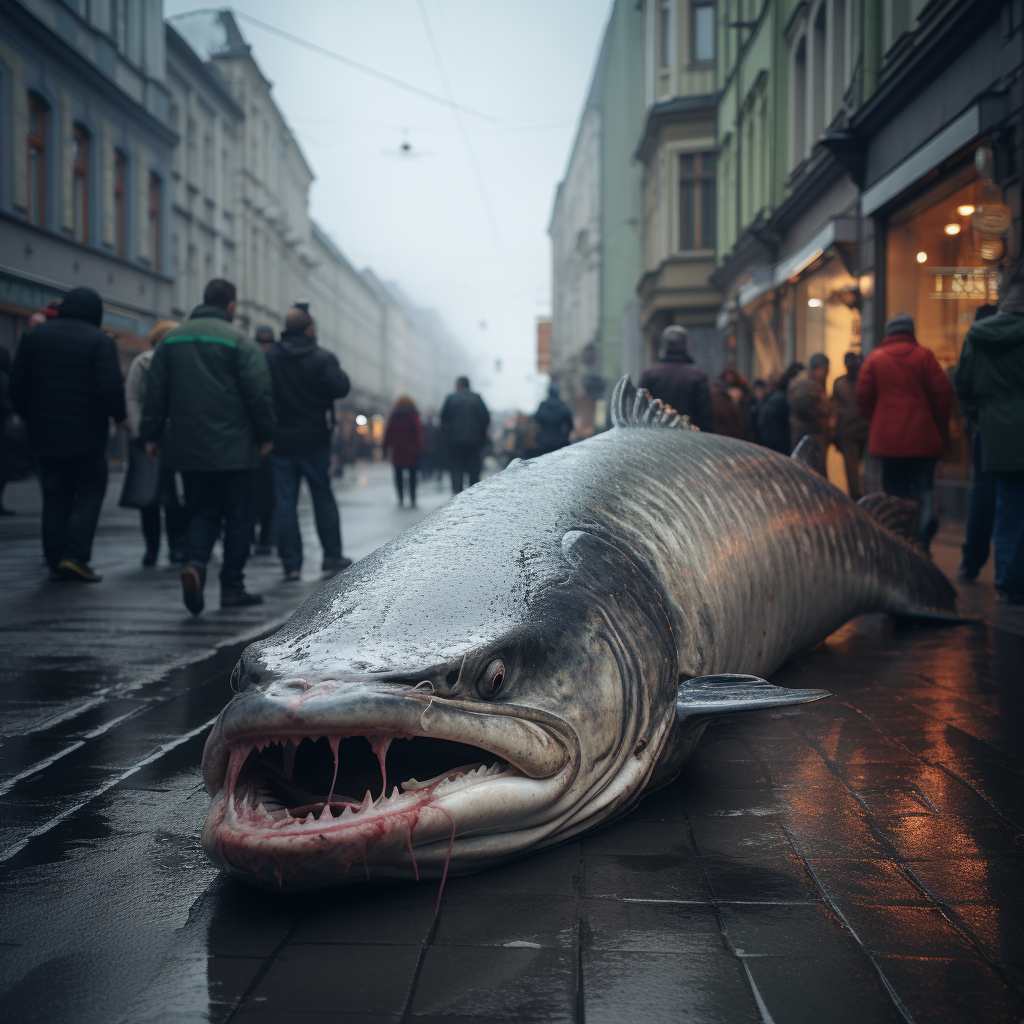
(531, 658)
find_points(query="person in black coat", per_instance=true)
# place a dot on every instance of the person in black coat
(554, 422)
(464, 423)
(307, 379)
(66, 385)
(773, 414)
(678, 381)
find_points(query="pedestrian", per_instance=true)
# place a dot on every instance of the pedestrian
(727, 412)
(773, 414)
(678, 381)
(264, 477)
(464, 423)
(167, 493)
(990, 387)
(212, 383)
(307, 381)
(66, 385)
(404, 436)
(981, 498)
(758, 393)
(905, 396)
(554, 422)
(851, 427)
(7, 454)
(809, 412)
(429, 461)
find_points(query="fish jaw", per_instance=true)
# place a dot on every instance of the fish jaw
(282, 814)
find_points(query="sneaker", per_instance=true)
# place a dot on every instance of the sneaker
(149, 558)
(238, 598)
(292, 575)
(965, 575)
(336, 565)
(72, 569)
(192, 589)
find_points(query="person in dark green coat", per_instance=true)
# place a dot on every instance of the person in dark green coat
(990, 388)
(212, 382)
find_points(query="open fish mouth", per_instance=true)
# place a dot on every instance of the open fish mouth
(299, 807)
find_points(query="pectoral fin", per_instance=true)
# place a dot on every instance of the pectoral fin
(711, 696)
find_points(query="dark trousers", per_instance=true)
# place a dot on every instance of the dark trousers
(981, 512)
(464, 460)
(264, 483)
(399, 474)
(1008, 534)
(73, 491)
(852, 452)
(288, 473)
(912, 478)
(212, 499)
(174, 514)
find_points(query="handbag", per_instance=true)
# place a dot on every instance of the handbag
(142, 481)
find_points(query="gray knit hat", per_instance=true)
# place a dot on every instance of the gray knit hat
(899, 323)
(675, 340)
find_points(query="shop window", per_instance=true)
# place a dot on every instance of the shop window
(120, 179)
(696, 201)
(942, 257)
(80, 191)
(37, 111)
(703, 33)
(154, 222)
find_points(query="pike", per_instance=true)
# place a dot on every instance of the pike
(533, 657)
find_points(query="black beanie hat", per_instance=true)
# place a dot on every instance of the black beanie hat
(83, 304)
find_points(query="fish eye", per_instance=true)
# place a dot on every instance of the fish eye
(493, 678)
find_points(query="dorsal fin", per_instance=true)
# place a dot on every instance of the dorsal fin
(634, 407)
(809, 452)
(897, 515)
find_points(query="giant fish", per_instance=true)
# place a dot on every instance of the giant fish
(526, 662)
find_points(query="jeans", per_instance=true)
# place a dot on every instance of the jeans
(73, 491)
(174, 514)
(288, 473)
(981, 513)
(400, 471)
(212, 498)
(464, 460)
(912, 478)
(1008, 534)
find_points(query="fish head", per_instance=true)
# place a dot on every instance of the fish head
(406, 720)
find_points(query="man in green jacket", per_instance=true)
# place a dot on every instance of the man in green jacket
(213, 384)
(990, 388)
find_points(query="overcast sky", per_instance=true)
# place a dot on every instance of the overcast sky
(472, 245)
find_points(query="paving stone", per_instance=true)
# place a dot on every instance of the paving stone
(473, 920)
(796, 989)
(497, 983)
(738, 836)
(337, 978)
(835, 835)
(759, 880)
(654, 877)
(995, 880)
(999, 931)
(665, 988)
(777, 930)
(940, 991)
(671, 838)
(875, 882)
(400, 918)
(940, 836)
(550, 872)
(646, 925)
(907, 931)
(707, 800)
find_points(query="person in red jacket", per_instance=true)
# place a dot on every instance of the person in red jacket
(404, 436)
(903, 393)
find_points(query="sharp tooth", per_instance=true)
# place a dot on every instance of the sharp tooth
(367, 802)
(410, 784)
(396, 794)
(261, 811)
(289, 759)
(309, 819)
(327, 813)
(348, 812)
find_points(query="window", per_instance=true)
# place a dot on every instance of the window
(120, 227)
(697, 201)
(703, 33)
(154, 222)
(819, 83)
(665, 34)
(838, 55)
(798, 101)
(81, 184)
(36, 160)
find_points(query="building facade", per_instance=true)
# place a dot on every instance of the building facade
(677, 151)
(85, 161)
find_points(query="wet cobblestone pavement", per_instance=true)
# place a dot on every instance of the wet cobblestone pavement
(860, 859)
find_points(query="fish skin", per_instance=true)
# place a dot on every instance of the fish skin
(603, 574)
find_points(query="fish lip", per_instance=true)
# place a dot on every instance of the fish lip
(541, 751)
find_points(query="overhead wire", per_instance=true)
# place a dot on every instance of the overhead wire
(332, 55)
(456, 114)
